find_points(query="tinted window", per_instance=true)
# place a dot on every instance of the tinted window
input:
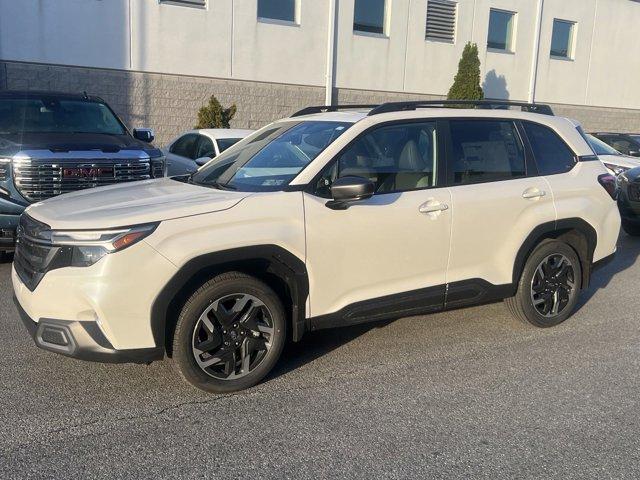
(551, 153)
(205, 148)
(621, 144)
(277, 9)
(224, 143)
(562, 39)
(396, 158)
(500, 36)
(485, 151)
(185, 146)
(368, 16)
(56, 115)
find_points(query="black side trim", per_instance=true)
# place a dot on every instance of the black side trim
(588, 158)
(476, 292)
(560, 229)
(82, 340)
(415, 302)
(268, 259)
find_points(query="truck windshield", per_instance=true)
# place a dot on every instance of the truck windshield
(270, 158)
(55, 115)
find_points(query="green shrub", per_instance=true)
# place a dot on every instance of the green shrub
(466, 84)
(213, 115)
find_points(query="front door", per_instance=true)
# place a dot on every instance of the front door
(388, 253)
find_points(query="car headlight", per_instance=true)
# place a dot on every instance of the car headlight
(158, 166)
(617, 169)
(84, 248)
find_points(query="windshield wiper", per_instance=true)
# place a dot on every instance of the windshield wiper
(223, 186)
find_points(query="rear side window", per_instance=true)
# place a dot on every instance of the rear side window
(486, 151)
(551, 153)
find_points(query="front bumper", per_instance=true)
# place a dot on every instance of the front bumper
(82, 340)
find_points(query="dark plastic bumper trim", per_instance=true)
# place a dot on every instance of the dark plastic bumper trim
(82, 340)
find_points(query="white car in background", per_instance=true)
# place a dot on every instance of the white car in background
(189, 151)
(615, 161)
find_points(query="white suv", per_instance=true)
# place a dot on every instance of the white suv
(331, 217)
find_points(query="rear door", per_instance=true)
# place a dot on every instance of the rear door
(497, 199)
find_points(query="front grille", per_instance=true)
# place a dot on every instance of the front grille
(33, 258)
(39, 179)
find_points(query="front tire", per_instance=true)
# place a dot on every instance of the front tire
(549, 285)
(230, 334)
(631, 228)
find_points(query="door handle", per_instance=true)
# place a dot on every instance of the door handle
(533, 192)
(431, 207)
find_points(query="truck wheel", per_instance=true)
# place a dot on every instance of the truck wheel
(631, 229)
(549, 285)
(230, 333)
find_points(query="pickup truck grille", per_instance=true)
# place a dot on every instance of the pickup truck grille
(32, 259)
(38, 179)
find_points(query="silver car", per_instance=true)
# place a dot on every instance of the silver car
(189, 151)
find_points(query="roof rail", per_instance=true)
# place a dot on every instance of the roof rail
(330, 108)
(482, 104)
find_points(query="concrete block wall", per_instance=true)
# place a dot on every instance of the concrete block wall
(169, 103)
(166, 103)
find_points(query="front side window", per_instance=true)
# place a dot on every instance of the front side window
(396, 158)
(622, 145)
(283, 10)
(501, 28)
(369, 16)
(485, 151)
(185, 146)
(57, 115)
(551, 153)
(562, 39)
(205, 148)
(271, 157)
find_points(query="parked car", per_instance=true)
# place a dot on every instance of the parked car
(53, 143)
(615, 161)
(331, 217)
(622, 142)
(189, 151)
(629, 200)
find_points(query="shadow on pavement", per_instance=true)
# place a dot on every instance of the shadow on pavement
(626, 256)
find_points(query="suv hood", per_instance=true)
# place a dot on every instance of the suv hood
(131, 204)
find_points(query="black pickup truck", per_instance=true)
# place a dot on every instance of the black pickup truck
(53, 143)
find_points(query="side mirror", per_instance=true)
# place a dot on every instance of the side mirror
(634, 153)
(144, 134)
(202, 160)
(350, 189)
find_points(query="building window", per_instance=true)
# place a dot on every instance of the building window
(562, 39)
(369, 16)
(501, 27)
(282, 10)
(441, 20)
(186, 3)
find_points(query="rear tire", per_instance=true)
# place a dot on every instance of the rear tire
(230, 334)
(549, 285)
(631, 229)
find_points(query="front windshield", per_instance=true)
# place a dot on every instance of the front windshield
(56, 115)
(270, 158)
(601, 148)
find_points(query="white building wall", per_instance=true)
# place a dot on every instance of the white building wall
(226, 41)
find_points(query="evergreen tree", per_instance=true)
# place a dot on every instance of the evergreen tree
(213, 115)
(466, 84)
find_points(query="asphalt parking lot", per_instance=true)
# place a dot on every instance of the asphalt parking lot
(468, 393)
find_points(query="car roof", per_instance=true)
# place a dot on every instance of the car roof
(216, 133)
(14, 94)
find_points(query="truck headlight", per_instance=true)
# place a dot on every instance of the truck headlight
(84, 248)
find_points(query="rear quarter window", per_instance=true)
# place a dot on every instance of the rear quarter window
(551, 154)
